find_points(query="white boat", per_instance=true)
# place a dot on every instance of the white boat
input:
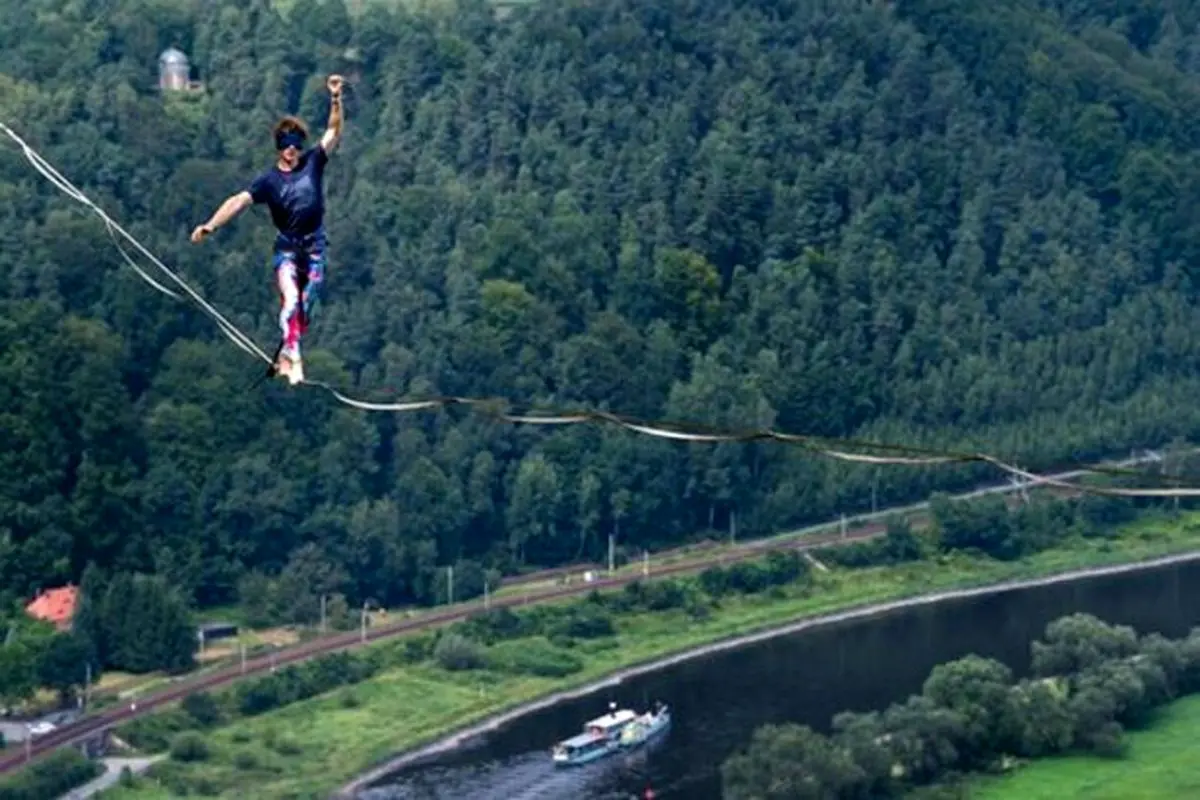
(600, 737)
(646, 726)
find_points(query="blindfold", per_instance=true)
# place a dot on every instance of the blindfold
(285, 140)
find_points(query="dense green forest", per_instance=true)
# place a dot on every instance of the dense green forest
(966, 225)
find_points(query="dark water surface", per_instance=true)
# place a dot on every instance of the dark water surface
(805, 677)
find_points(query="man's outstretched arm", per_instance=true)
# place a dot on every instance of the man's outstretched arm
(333, 133)
(232, 206)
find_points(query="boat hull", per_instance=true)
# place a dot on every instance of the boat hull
(586, 757)
(642, 731)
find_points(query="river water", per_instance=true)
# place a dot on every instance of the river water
(718, 700)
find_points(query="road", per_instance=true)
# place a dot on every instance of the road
(867, 526)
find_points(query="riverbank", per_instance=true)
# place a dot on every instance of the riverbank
(312, 747)
(462, 737)
(1160, 764)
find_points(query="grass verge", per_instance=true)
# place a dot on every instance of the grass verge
(1160, 764)
(310, 748)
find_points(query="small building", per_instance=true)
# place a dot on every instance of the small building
(56, 606)
(215, 630)
(175, 72)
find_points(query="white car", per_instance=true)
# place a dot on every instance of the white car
(41, 728)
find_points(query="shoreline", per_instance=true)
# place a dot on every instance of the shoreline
(456, 739)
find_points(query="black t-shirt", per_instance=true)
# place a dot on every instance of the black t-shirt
(296, 198)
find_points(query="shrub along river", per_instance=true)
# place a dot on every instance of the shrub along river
(808, 677)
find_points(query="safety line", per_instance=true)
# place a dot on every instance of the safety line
(686, 432)
(57, 179)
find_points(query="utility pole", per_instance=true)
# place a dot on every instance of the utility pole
(243, 649)
(487, 600)
(1168, 463)
(363, 622)
(645, 563)
(323, 613)
(612, 543)
(450, 585)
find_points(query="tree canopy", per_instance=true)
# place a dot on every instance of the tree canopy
(1091, 681)
(964, 225)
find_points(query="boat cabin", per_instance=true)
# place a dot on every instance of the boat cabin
(600, 736)
(610, 724)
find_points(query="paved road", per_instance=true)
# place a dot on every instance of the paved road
(18, 730)
(813, 538)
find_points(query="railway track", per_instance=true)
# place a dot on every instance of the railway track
(94, 724)
(865, 526)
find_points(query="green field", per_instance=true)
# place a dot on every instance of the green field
(312, 747)
(1160, 765)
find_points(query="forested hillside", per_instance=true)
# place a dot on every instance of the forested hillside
(968, 224)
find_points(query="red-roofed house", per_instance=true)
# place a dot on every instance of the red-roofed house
(56, 606)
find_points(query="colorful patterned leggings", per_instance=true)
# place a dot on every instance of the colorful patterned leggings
(299, 271)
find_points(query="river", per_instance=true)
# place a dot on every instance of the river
(718, 700)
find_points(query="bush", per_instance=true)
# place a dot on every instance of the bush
(628, 599)
(854, 555)
(495, 625)
(181, 783)
(534, 657)
(203, 708)
(54, 776)
(586, 621)
(456, 652)
(698, 609)
(189, 746)
(154, 732)
(664, 595)
(784, 567)
(714, 581)
(260, 696)
(747, 577)
(300, 682)
(410, 650)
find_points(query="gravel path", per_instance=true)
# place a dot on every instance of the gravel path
(112, 774)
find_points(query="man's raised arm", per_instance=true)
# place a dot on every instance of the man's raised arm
(333, 133)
